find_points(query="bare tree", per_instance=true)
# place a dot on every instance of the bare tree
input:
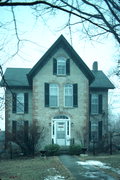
(102, 15)
(27, 136)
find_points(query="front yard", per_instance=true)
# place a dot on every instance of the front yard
(49, 168)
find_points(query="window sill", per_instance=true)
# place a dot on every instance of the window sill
(20, 113)
(65, 107)
(53, 107)
(94, 114)
(61, 75)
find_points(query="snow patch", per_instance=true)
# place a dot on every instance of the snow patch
(93, 163)
(55, 178)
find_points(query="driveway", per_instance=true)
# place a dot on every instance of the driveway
(83, 171)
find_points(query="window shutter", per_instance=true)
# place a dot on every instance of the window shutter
(54, 66)
(25, 131)
(46, 95)
(75, 95)
(14, 102)
(68, 67)
(89, 103)
(100, 130)
(100, 104)
(14, 129)
(25, 102)
(89, 130)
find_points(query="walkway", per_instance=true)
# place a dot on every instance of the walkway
(81, 172)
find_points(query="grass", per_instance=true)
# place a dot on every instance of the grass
(111, 160)
(32, 169)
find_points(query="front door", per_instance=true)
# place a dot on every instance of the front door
(61, 133)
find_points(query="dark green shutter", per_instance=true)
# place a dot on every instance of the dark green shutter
(75, 95)
(90, 103)
(25, 131)
(89, 130)
(46, 95)
(100, 130)
(25, 102)
(54, 66)
(14, 130)
(14, 103)
(68, 67)
(100, 104)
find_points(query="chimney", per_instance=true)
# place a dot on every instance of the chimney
(95, 66)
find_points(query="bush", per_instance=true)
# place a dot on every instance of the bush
(52, 149)
(75, 149)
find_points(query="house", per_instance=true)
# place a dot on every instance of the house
(62, 94)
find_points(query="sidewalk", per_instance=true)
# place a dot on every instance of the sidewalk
(81, 172)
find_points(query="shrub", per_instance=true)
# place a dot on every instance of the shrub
(75, 149)
(52, 149)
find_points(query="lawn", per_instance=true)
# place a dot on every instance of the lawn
(111, 163)
(39, 168)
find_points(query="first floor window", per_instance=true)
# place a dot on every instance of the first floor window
(95, 131)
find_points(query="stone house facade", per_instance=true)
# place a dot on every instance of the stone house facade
(62, 94)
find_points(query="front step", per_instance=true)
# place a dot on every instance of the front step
(64, 150)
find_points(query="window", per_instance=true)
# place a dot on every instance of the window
(53, 98)
(51, 95)
(20, 103)
(61, 66)
(95, 131)
(68, 95)
(94, 104)
(71, 95)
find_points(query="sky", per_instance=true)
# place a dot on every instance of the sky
(37, 34)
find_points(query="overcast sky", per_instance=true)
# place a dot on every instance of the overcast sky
(38, 35)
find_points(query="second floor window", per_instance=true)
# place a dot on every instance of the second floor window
(20, 103)
(68, 95)
(53, 98)
(96, 103)
(71, 95)
(51, 95)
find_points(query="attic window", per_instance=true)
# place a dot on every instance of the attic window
(61, 66)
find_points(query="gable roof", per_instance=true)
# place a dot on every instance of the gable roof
(16, 77)
(22, 77)
(101, 81)
(61, 42)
